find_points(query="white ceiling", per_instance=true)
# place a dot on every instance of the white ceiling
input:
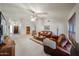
(19, 11)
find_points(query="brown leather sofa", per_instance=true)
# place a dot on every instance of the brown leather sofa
(42, 35)
(63, 46)
(8, 47)
(9, 51)
(45, 33)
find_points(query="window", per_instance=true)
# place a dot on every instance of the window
(46, 28)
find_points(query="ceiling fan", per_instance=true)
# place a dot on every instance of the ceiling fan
(37, 14)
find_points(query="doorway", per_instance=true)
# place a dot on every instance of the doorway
(16, 29)
(27, 29)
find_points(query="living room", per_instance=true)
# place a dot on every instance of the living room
(37, 29)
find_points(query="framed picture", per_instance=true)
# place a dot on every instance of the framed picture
(46, 28)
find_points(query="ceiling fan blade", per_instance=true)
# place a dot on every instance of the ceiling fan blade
(42, 13)
(31, 10)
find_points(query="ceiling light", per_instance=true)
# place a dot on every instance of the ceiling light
(33, 19)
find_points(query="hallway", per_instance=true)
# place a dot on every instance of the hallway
(26, 47)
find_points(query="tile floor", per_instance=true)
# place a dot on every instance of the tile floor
(27, 47)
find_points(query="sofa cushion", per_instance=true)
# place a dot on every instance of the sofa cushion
(50, 43)
(63, 42)
(54, 36)
(68, 46)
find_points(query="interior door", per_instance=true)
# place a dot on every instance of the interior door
(27, 29)
(16, 29)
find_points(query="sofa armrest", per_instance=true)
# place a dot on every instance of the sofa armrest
(63, 50)
(9, 51)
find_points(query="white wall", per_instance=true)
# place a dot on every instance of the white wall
(22, 26)
(17, 14)
(60, 24)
